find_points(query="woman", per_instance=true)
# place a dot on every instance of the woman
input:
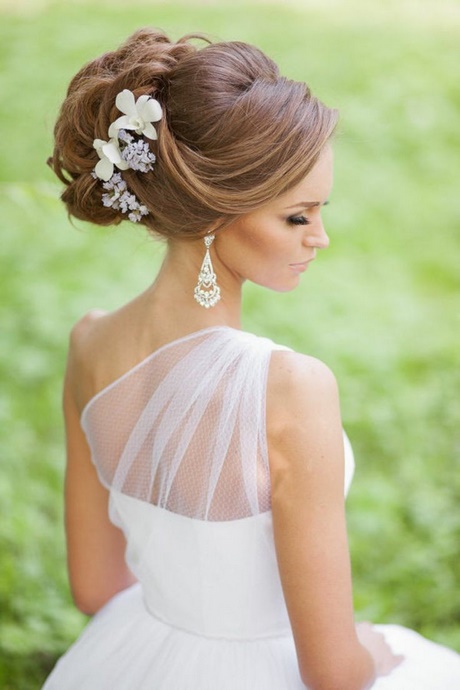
(218, 455)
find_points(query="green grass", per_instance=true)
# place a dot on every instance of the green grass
(381, 306)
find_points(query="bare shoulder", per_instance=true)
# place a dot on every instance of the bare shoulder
(83, 335)
(296, 383)
(85, 326)
(82, 356)
(289, 369)
(303, 412)
(105, 345)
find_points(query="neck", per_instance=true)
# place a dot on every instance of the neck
(172, 292)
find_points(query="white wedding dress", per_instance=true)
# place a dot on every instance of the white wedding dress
(180, 442)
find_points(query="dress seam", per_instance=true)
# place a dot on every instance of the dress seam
(222, 638)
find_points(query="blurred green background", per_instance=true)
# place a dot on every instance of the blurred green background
(381, 306)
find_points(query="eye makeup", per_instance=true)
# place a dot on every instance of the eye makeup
(298, 220)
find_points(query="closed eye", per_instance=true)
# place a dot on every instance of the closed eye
(298, 220)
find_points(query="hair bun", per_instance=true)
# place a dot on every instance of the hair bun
(234, 133)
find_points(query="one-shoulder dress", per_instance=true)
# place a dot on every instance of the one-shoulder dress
(180, 443)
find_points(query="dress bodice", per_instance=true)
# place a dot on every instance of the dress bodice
(215, 579)
(180, 441)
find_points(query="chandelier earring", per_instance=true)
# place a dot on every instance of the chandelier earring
(207, 292)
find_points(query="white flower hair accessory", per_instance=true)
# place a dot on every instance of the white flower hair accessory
(138, 115)
(110, 155)
(126, 151)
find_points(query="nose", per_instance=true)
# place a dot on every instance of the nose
(323, 240)
(317, 237)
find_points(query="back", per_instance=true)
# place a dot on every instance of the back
(185, 428)
(180, 441)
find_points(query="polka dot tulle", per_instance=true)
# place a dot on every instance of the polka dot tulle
(185, 429)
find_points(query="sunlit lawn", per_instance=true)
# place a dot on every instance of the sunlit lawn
(381, 306)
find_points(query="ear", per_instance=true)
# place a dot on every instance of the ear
(215, 227)
(221, 224)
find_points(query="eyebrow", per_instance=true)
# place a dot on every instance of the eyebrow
(308, 204)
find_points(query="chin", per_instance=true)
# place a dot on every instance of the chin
(278, 286)
(287, 289)
(283, 288)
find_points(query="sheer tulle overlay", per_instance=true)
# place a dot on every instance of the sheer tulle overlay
(180, 442)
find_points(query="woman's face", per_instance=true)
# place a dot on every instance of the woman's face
(273, 246)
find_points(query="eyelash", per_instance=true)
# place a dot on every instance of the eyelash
(299, 220)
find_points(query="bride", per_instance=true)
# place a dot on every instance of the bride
(206, 466)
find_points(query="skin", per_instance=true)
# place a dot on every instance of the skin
(272, 247)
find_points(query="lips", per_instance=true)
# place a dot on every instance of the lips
(301, 266)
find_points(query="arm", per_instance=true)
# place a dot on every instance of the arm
(95, 547)
(307, 470)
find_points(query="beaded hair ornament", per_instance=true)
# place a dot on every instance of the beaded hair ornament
(127, 148)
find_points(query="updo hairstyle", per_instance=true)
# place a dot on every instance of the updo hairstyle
(234, 134)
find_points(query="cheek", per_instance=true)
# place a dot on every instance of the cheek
(236, 245)
(253, 243)
(259, 253)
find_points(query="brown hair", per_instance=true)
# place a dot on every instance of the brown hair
(234, 134)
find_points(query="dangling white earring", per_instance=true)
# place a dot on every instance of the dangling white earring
(207, 292)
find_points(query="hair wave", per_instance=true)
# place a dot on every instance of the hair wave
(235, 133)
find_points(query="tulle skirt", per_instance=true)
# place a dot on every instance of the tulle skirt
(125, 648)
